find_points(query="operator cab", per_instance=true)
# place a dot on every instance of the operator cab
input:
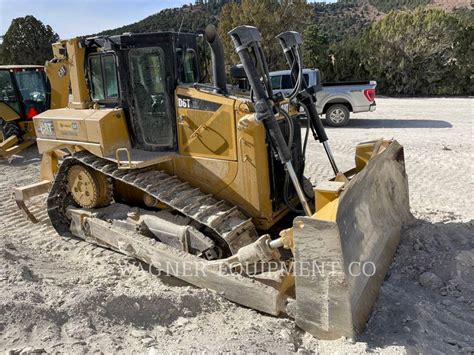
(23, 88)
(139, 73)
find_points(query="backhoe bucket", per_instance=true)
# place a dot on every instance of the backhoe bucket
(344, 250)
(12, 145)
(50, 162)
(23, 193)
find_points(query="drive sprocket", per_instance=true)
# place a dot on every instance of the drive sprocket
(89, 188)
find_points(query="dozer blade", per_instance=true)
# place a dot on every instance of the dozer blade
(341, 261)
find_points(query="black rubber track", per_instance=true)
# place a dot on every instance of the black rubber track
(225, 222)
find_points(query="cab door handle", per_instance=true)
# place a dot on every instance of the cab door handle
(183, 120)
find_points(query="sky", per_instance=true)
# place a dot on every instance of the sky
(72, 18)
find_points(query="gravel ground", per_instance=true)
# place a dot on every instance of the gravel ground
(64, 295)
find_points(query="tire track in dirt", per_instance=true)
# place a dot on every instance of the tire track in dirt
(65, 295)
(41, 234)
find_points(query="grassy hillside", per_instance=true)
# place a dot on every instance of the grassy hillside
(334, 20)
(188, 18)
(388, 5)
(425, 49)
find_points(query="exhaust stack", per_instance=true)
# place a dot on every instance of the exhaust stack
(218, 66)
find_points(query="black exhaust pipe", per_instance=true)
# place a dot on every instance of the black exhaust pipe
(218, 65)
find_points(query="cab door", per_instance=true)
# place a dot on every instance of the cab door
(10, 108)
(206, 124)
(152, 108)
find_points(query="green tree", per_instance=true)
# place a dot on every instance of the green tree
(315, 50)
(347, 61)
(28, 41)
(415, 52)
(271, 17)
(464, 54)
(426, 51)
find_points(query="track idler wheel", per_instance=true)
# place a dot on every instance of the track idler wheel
(89, 188)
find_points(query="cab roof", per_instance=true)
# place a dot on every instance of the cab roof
(128, 40)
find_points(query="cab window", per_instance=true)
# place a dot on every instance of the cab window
(148, 73)
(287, 81)
(276, 82)
(103, 77)
(7, 91)
(32, 87)
(187, 66)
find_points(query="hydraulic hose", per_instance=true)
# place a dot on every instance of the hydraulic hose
(290, 42)
(246, 40)
(286, 184)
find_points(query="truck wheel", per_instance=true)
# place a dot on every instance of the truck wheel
(9, 129)
(337, 115)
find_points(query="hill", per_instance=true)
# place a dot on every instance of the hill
(335, 20)
(425, 49)
(187, 18)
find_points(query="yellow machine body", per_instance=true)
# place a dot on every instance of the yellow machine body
(224, 152)
(101, 132)
(216, 151)
(215, 154)
(7, 113)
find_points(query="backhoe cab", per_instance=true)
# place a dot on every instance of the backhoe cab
(23, 95)
(170, 170)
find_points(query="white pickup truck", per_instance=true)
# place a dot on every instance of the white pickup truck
(335, 100)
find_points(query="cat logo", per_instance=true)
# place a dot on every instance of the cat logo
(46, 128)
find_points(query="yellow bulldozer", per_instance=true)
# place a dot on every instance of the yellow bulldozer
(24, 93)
(209, 186)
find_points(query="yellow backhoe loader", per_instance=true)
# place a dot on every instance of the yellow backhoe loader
(210, 187)
(24, 93)
(22, 96)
